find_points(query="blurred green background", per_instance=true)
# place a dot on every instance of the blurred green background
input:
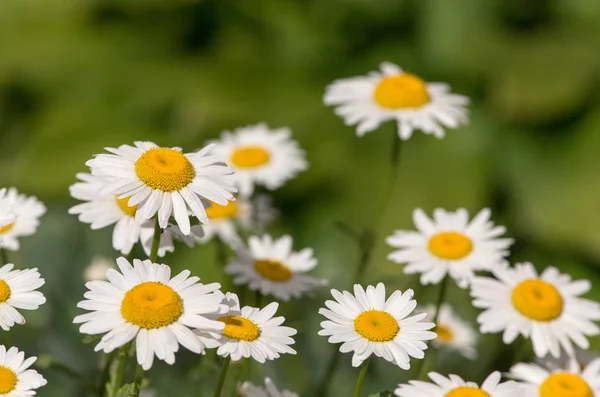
(76, 76)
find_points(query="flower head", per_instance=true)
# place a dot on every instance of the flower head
(97, 269)
(18, 291)
(452, 331)
(247, 389)
(16, 379)
(19, 216)
(455, 386)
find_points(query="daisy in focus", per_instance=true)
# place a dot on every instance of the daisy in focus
(20, 217)
(18, 291)
(261, 156)
(453, 332)
(164, 181)
(366, 323)
(273, 268)
(249, 332)
(16, 379)
(455, 386)
(391, 94)
(536, 381)
(97, 269)
(144, 303)
(168, 236)
(449, 244)
(545, 308)
(247, 389)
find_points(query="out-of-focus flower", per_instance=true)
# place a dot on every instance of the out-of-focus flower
(20, 216)
(247, 389)
(452, 331)
(97, 269)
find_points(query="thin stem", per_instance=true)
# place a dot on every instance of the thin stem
(121, 367)
(361, 377)
(132, 253)
(105, 375)
(3, 257)
(333, 362)
(137, 382)
(396, 151)
(222, 376)
(155, 242)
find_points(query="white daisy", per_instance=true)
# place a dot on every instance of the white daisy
(247, 389)
(452, 331)
(263, 211)
(164, 181)
(172, 232)
(97, 269)
(101, 211)
(367, 323)
(261, 156)
(249, 332)
(18, 291)
(545, 308)
(21, 217)
(455, 386)
(393, 94)
(582, 357)
(225, 220)
(145, 303)
(570, 381)
(16, 379)
(449, 244)
(271, 267)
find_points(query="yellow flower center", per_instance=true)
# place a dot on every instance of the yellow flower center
(403, 91)
(444, 333)
(273, 270)
(151, 305)
(4, 291)
(6, 228)
(538, 300)
(8, 380)
(217, 211)
(124, 206)
(466, 391)
(250, 157)
(565, 385)
(240, 328)
(450, 245)
(164, 169)
(376, 326)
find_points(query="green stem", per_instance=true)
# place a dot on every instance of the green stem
(121, 367)
(361, 377)
(155, 242)
(132, 253)
(3, 257)
(396, 150)
(105, 375)
(222, 375)
(137, 382)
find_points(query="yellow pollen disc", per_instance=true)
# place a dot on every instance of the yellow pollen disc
(444, 333)
(151, 305)
(273, 270)
(6, 228)
(565, 385)
(124, 206)
(8, 380)
(466, 391)
(217, 211)
(376, 326)
(240, 328)
(450, 245)
(538, 300)
(164, 169)
(404, 91)
(250, 157)
(4, 291)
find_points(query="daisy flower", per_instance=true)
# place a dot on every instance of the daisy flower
(20, 217)
(164, 181)
(224, 221)
(249, 332)
(582, 357)
(18, 291)
(369, 101)
(367, 323)
(545, 308)
(455, 386)
(144, 303)
(536, 381)
(449, 244)
(272, 268)
(97, 269)
(247, 389)
(261, 156)
(172, 232)
(452, 331)
(16, 379)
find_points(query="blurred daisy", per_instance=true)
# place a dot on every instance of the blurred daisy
(18, 291)
(97, 269)
(263, 211)
(452, 331)
(261, 156)
(455, 386)
(568, 382)
(272, 268)
(367, 323)
(545, 308)
(102, 211)
(20, 216)
(247, 389)
(16, 379)
(449, 244)
(249, 332)
(173, 232)
(164, 181)
(369, 101)
(145, 303)
(224, 221)
(582, 357)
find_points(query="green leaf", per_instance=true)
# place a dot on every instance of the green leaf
(126, 390)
